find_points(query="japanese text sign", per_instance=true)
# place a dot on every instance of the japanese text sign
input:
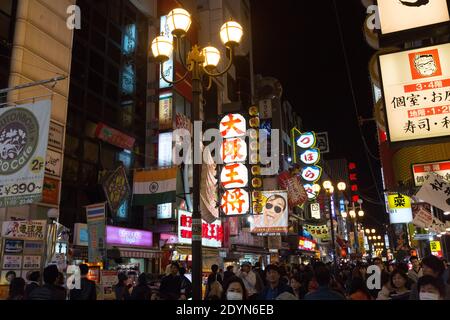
(26, 229)
(416, 87)
(422, 171)
(212, 233)
(306, 244)
(235, 202)
(114, 137)
(399, 208)
(128, 237)
(233, 125)
(234, 176)
(436, 191)
(292, 183)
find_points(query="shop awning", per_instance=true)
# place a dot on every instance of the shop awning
(249, 249)
(81, 253)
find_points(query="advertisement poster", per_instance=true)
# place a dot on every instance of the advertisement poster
(108, 281)
(7, 275)
(31, 262)
(25, 230)
(23, 140)
(56, 135)
(116, 188)
(165, 112)
(11, 262)
(274, 218)
(318, 231)
(416, 84)
(13, 246)
(33, 247)
(114, 137)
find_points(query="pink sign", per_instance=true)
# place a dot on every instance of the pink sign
(169, 238)
(128, 237)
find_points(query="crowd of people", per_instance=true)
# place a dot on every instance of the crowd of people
(420, 280)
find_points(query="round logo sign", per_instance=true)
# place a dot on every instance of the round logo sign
(153, 187)
(19, 135)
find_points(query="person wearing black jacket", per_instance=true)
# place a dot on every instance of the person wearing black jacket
(228, 274)
(122, 288)
(186, 285)
(170, 288)
(88, 289)
(275, 286)
(142, 291)
(49, 290)
(33, 279)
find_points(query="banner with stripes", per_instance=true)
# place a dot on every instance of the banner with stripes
(96, 225)
(155, 186)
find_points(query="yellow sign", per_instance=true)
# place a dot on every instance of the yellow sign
(435, 246)
(399, 201)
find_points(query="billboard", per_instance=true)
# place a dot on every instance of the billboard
(402, 15)
(274, 218)
(24, 133)
(416, 85)
(212, 233)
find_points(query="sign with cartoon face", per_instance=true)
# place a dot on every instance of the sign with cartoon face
(274, 218)
(416, 85)
(400, 15)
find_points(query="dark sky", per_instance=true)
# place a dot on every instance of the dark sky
(298, 42)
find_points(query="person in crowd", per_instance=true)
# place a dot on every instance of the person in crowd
(416, 271)
(141, 291)
(213, 276)
(391, 267)
(283, 274)
(298, 287)
(234, 289)
(17, 289)
(359, 290)
(10, 275)
(61, 284)
(384, 273)
(170, 288)
(323, 292)
(260, 275)
(386, 288)
(49, 290)
(33, 283)
(249, 278)
(228, 273)
(446, 274)
(122, 289)
(186, 285)
(275, 286)
(88, 290)
(399, 285)
(434, 267)
(215, 291)
(431, 288)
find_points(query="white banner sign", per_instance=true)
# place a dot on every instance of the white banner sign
(31, 262)
(400, 15)
(23, 148)
(53, 163)
(416, 86)
(436, 192)
(26, 229)
(315, 211)
(12, 262)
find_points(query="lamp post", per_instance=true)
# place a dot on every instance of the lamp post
(355, 216)
(329, 189)
(200, 63)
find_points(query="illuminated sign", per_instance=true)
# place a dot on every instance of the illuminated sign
(129, 237)
(315, 210)
(311, 173)
(310, 156)
(233, 125)
(168, 65)
(402, 15)
(400, 210)
(435, 247)
(165, 112)
(422, 171)
(306, 140)
(212, 233)
(416, 85)
(306, 244)
(235, 202)
(310, 191)
(234, 150)
(274, 218)
(165, 149)
(234, 176)
(164, 211)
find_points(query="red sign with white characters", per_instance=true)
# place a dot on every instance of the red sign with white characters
(306, 244)
(114, 137)
(212, 233)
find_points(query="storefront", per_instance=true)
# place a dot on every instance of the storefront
(127, 249)
(307, 250)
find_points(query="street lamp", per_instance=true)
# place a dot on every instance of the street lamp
(367, 231)
(360, 213)
(199, 63)
(341, 186)
(373, 230)
(328, 186)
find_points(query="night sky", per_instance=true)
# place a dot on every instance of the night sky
(298, 42)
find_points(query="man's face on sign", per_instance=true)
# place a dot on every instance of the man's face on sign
(425, 65)
(273, 210)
